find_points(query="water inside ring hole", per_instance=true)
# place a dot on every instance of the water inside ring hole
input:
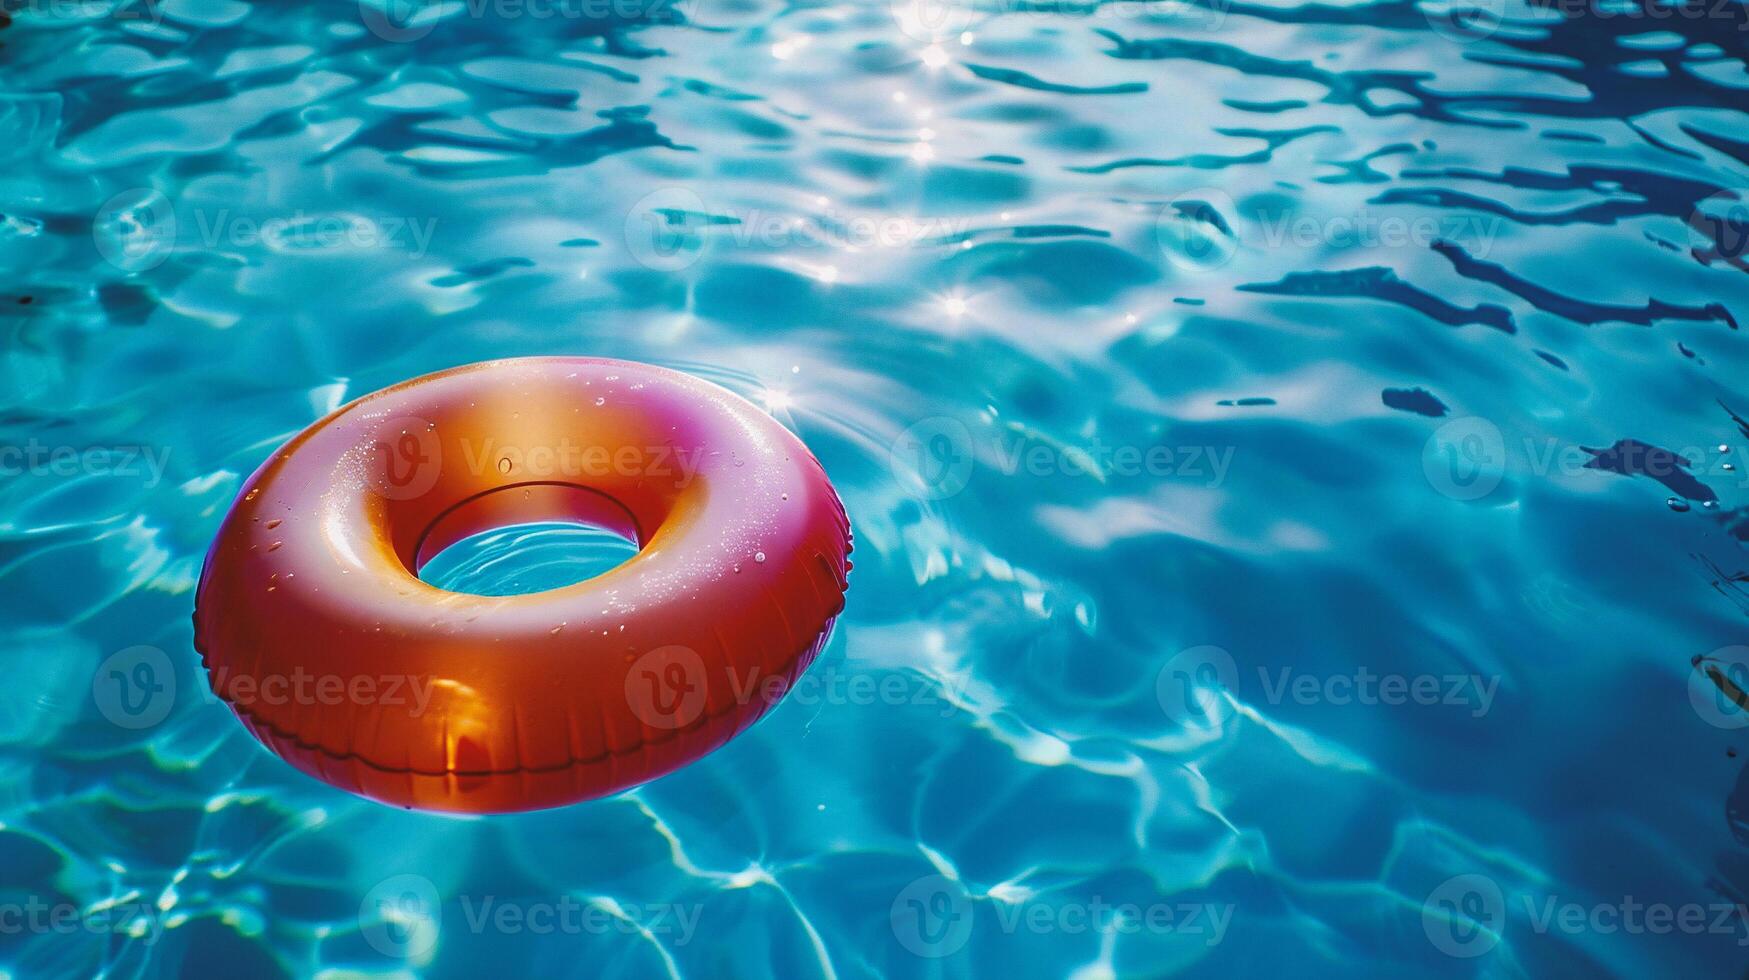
(520, 558)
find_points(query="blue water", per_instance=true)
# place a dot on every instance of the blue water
(527, 558)
(1260, 424)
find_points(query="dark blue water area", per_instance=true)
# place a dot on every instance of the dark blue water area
(1296, 454)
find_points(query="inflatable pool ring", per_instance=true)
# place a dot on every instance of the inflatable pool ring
(313, 623)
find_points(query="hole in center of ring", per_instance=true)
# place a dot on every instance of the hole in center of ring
(527, 538)
(524, 558)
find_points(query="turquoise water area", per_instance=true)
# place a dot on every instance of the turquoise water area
(1296, 453)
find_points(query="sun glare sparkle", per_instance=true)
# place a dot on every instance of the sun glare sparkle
(783, 50)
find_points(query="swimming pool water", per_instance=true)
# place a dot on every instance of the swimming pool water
(526, 558)
(1296, 455)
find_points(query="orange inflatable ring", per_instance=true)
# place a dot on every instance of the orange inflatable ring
(313, 624)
